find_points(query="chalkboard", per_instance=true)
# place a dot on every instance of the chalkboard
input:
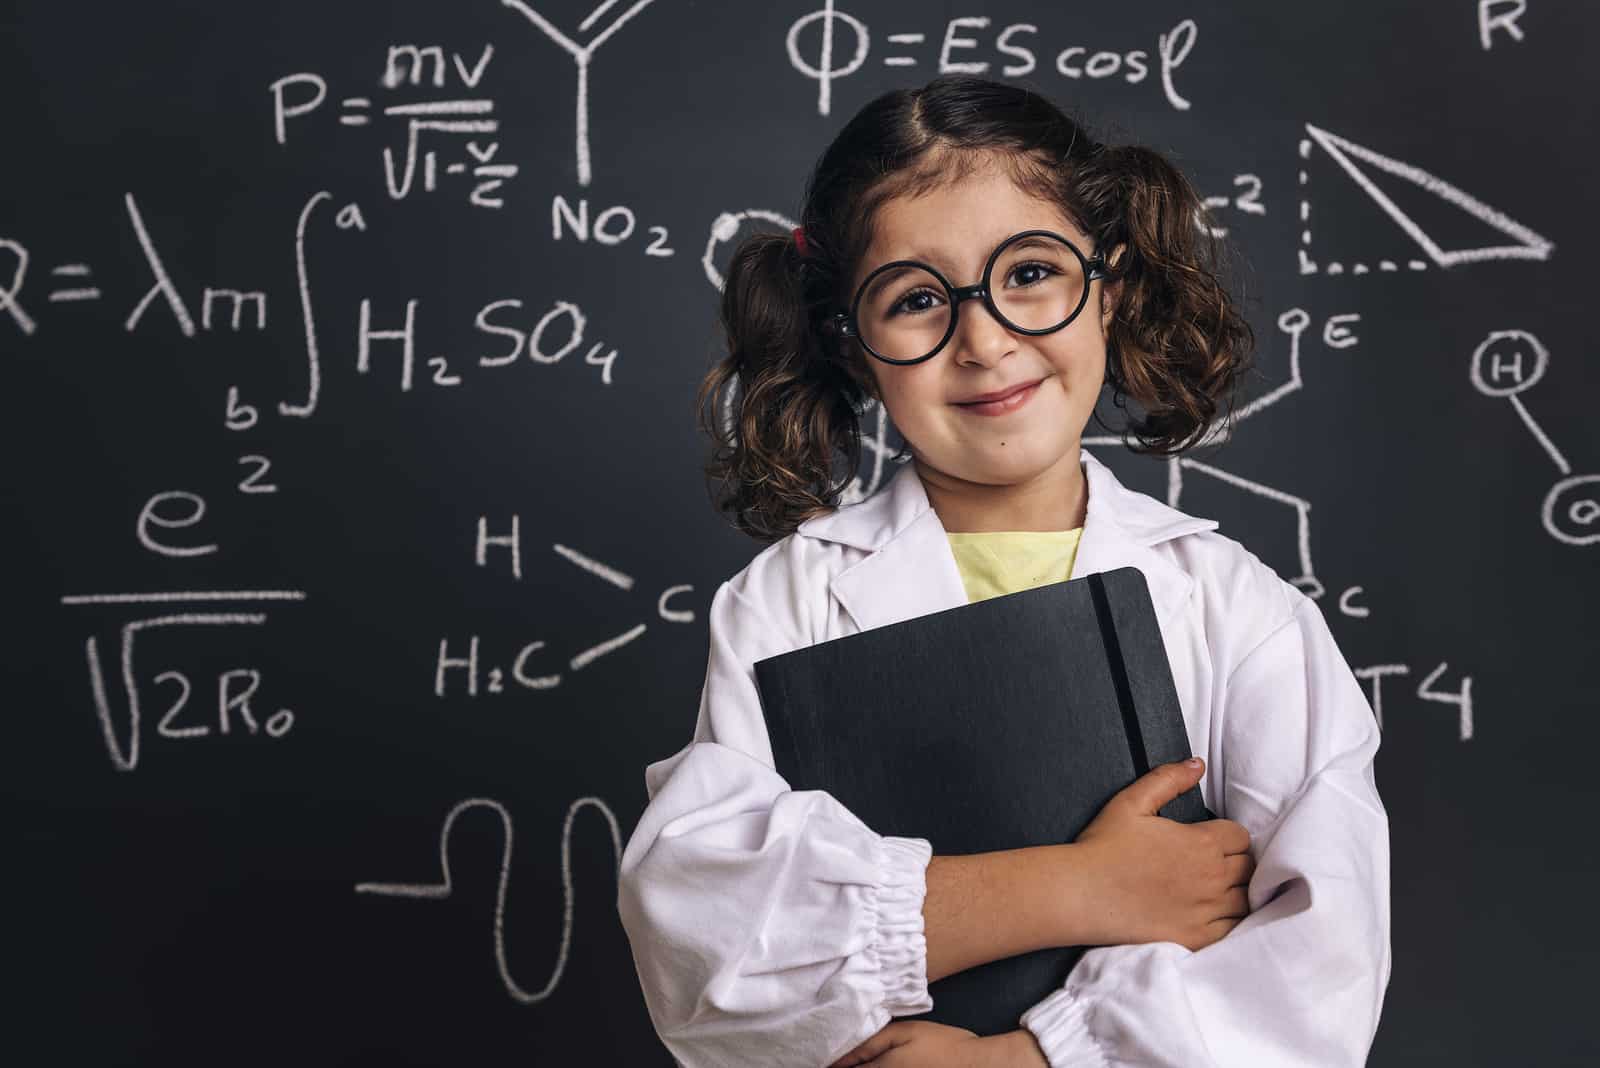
(360, 554)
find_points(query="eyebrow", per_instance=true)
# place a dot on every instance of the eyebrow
(921, 254)
(885, 279)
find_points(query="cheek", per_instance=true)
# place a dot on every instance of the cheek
(909, 392)
(1081, 357)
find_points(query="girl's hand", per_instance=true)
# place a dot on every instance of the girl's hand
(1158, 880)
(922, 1044)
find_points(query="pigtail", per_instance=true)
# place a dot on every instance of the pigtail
(1177, 343)
(782, 405)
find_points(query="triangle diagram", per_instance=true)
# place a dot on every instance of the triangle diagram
(1527, 245)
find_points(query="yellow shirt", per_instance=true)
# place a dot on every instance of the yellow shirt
(993, 562)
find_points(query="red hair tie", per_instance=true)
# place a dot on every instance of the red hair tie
(800, 241)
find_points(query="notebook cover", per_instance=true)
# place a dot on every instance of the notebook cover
(998, 724)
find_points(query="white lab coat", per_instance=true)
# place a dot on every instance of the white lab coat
(771, 926)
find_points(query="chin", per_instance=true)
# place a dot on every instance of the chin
(1008, 465)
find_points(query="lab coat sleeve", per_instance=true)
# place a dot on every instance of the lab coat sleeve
(768, 926)
(1300, 981)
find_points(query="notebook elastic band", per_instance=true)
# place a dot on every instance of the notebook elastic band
(1119, 675)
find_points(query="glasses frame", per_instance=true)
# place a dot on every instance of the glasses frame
(845, 323)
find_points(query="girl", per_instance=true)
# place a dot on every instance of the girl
(977, 264)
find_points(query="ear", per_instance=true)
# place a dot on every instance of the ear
(1110, 292)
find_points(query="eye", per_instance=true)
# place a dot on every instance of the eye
(909, 303)
(1045, 269)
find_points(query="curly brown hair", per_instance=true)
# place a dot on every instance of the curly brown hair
(794, 393)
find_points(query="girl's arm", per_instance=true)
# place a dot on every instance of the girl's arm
(1301, 980)
(772, 926)
(989, 906)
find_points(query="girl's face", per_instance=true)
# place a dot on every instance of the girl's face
(955, 228)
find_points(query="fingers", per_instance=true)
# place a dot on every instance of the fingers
(1217, 929)
(1236, 903)
(1157, 786)
(1229, 836)
(860, 1055)
(880, 1043)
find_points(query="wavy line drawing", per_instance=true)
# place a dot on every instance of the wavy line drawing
(441, 890)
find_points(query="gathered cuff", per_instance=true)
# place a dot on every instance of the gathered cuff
(901, 947)
(1060, 1025)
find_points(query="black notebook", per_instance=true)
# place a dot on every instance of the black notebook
(998, 724)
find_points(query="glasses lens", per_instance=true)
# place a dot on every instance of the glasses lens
(904, 313)
(1037, 282)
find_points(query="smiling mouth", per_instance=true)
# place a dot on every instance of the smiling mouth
(1002, 396)
(1010, 402)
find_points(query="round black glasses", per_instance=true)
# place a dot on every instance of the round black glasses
(906, 311)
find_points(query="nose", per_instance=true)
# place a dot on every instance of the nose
(979, 337)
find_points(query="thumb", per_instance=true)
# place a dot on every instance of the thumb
(1161, 784)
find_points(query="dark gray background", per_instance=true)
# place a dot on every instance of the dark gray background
(200, 907)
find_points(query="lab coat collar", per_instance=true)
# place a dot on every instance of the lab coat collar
(911, 571)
